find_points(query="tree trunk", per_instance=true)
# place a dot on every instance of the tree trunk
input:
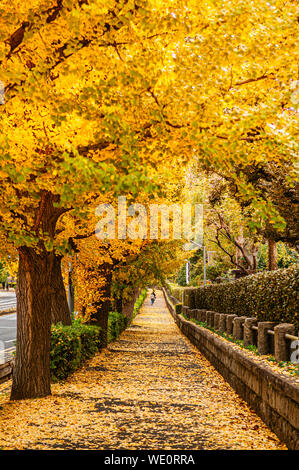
(59, 306)
(119, 303)
(71, 291)
(128, 306)
(272, 255)
(100, 318)
(31, 374)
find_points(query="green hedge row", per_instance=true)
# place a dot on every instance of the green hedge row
(269, 296)
(71, 346)
(139, 302)
(116, 324)
(176, 291)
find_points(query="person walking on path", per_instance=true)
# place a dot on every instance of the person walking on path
(153, 297)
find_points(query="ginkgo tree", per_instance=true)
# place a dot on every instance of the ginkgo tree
(73, 126)
(99, 94)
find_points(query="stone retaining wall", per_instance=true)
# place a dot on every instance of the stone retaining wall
(274, 397)
(6, 371)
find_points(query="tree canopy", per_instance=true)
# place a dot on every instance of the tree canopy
(121, 97)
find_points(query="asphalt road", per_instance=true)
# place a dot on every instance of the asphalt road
(8, 300)
(8, 325)
(8, 332)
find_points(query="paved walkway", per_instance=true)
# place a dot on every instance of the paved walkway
(150, 389)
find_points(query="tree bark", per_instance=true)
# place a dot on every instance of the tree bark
(272, 255)
(71, 291)
(31, 374)
(100, 318)
(59, 306)
(119, 303)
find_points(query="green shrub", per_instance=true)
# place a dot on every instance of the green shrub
(116, 324)
(139, 302)
(189, 297)
(71, 346)
(176, 291)
(216, 270)
(269, 296)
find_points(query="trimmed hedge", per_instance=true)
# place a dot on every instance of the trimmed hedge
(116, 324)
(269, 296)
(71, 346)
(139, 302)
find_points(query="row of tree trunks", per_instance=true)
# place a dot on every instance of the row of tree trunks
(41, 300)
(272, 257)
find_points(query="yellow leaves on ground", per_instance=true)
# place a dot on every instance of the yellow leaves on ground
(150, 389)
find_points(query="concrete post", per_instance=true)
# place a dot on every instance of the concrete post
(185, 310)
(195, 314)
(210, 318)
(216, 320)
(199, 315)
(263, 337)
(238, 327)
(281, 344)
(250, 335)
(229, 323)
(192, 314)
(202, 315)
(222, 322)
